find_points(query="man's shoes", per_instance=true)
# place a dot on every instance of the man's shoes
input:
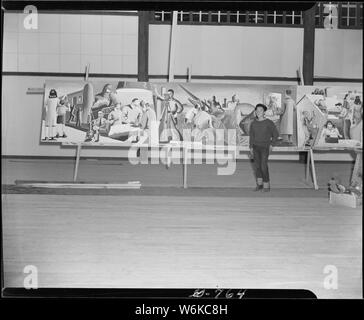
(57, 135)
(64, 136)
(266, 187)
(259, 187)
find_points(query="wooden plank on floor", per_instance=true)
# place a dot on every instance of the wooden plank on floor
(24, 182)
(62, 185)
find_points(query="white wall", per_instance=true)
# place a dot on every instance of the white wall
(339, 53)
(66, 42)
(227, 50)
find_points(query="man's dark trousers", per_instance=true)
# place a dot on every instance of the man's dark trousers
(261, 154)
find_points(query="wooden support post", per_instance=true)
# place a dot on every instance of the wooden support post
(184, 170)
(78, 153)
(308, 161)
(315, 185)
(308, 45)
(172, 47)
(143, 45)
(189, 76)
(358, 160)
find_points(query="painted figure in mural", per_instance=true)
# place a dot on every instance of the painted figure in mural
(115, 117)
(263, 133)
(321, 104)
(215, 108)
(330, 133)
(309, 127)
(201, 121)
(171, 111)
(102, 100)
(174, 106)
(62, 109)
(148, 117)
(231, 105)
(274, 111)
(78, 110)
(347, 113)
(356, 131)
(104, 95)
(132, 113)
(99, 125)
(286, 127)
(51, 115)
(72, 114)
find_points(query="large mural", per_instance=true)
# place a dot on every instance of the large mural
(330, 117)
(123, 112)
(131, 112)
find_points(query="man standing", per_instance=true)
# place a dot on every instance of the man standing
(263, 133)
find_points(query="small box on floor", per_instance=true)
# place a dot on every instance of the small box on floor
(345, 199)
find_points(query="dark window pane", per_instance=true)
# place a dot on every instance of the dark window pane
(270, 19)
(205, 17)
(186, 17)
(344, 11)
(279, 19)
(289, 19)
(317, 21)
(242, 18)
(167, 16)
(297, 20)
(196, 17)
(260, 18)
(223, 17)
(352, 22)
(344, 22)
(252, 17)
(233, 18)
(352, 12)
(214, 17)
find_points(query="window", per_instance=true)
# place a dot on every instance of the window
(294, 17)
(349, 15)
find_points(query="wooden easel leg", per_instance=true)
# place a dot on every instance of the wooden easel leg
(78, 153)
(313, 170)
(184, 170)
(356, 167)
(308, 162)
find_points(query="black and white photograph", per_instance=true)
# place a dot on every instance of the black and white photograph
(182, 151)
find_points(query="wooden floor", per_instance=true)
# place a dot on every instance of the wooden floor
(144, 240)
